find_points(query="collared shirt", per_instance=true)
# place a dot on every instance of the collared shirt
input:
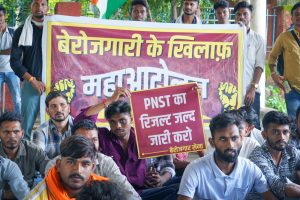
(105, 166)
(202, 179)
(30, 158)
(10, 173)
(47, 137)
(27, 58)
(277, 175)
(255, 57)
(179, 20)
(286, 44)
(5, 43)
(256, 135)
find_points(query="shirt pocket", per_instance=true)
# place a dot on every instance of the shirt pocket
(240, 193)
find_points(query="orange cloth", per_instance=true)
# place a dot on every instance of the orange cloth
(55, 188)
(94, 2)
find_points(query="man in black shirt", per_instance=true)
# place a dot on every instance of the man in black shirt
(26, 61)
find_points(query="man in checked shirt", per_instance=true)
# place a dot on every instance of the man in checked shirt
(278, 160)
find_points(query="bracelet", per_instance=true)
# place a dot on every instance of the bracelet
(31, 79)
(104, 102)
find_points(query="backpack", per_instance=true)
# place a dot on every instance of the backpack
(280, 64)
(280, 60)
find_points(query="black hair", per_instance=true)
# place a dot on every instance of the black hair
(221, 4)
(3, 9)
(117, 107)
(139, 2)
(275, 117)
(221, 121)
(46, 0)
(297, 113)
(53, 94)
(249, 114)
(297, 5)
(85, 124)
(104, 190)
(192, 0)
(240, 120)
(242, 4)
(11, 116)
(77, 146)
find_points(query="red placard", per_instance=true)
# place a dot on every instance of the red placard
(168, 120)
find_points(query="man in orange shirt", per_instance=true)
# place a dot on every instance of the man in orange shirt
(71, 173)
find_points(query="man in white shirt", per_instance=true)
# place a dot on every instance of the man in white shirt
(189, 15)
(6, 73)
(254, 58)
(223, 174)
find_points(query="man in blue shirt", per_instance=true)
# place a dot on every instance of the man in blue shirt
(10, 173)
(223, 174)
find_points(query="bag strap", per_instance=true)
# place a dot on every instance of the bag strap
(11, 31)
(296, 37)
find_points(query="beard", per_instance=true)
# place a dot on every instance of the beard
(56, 117)
(189, 13)
(278, 146)
(225, 157)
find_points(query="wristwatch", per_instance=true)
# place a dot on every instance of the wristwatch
(255, 85)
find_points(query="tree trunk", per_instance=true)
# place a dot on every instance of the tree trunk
(173, 10)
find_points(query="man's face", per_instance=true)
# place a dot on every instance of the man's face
(190, 7)
(120, 124)
(139, 13)
(39, 8)
(2, 18)
(227, 143)
(222, 15)
(74, 173)
(296, 17)
(277, 136)
(89, 134)
(58, 109)
(11, 134)
(243, 15)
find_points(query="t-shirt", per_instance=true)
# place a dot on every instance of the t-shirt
(202, 179)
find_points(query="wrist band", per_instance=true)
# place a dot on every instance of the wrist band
(31, 79)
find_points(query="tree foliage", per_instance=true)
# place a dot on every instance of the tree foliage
(161, 10)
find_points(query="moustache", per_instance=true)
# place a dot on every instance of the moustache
(12, 141)
(230, 150)
(281, 141)
(59, 113)
(76, 176)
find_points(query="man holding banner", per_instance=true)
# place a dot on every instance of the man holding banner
(139, 10)
(149, 176)
(189, 15)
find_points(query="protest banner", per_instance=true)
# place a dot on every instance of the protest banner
(168, 120)
(87, 57)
